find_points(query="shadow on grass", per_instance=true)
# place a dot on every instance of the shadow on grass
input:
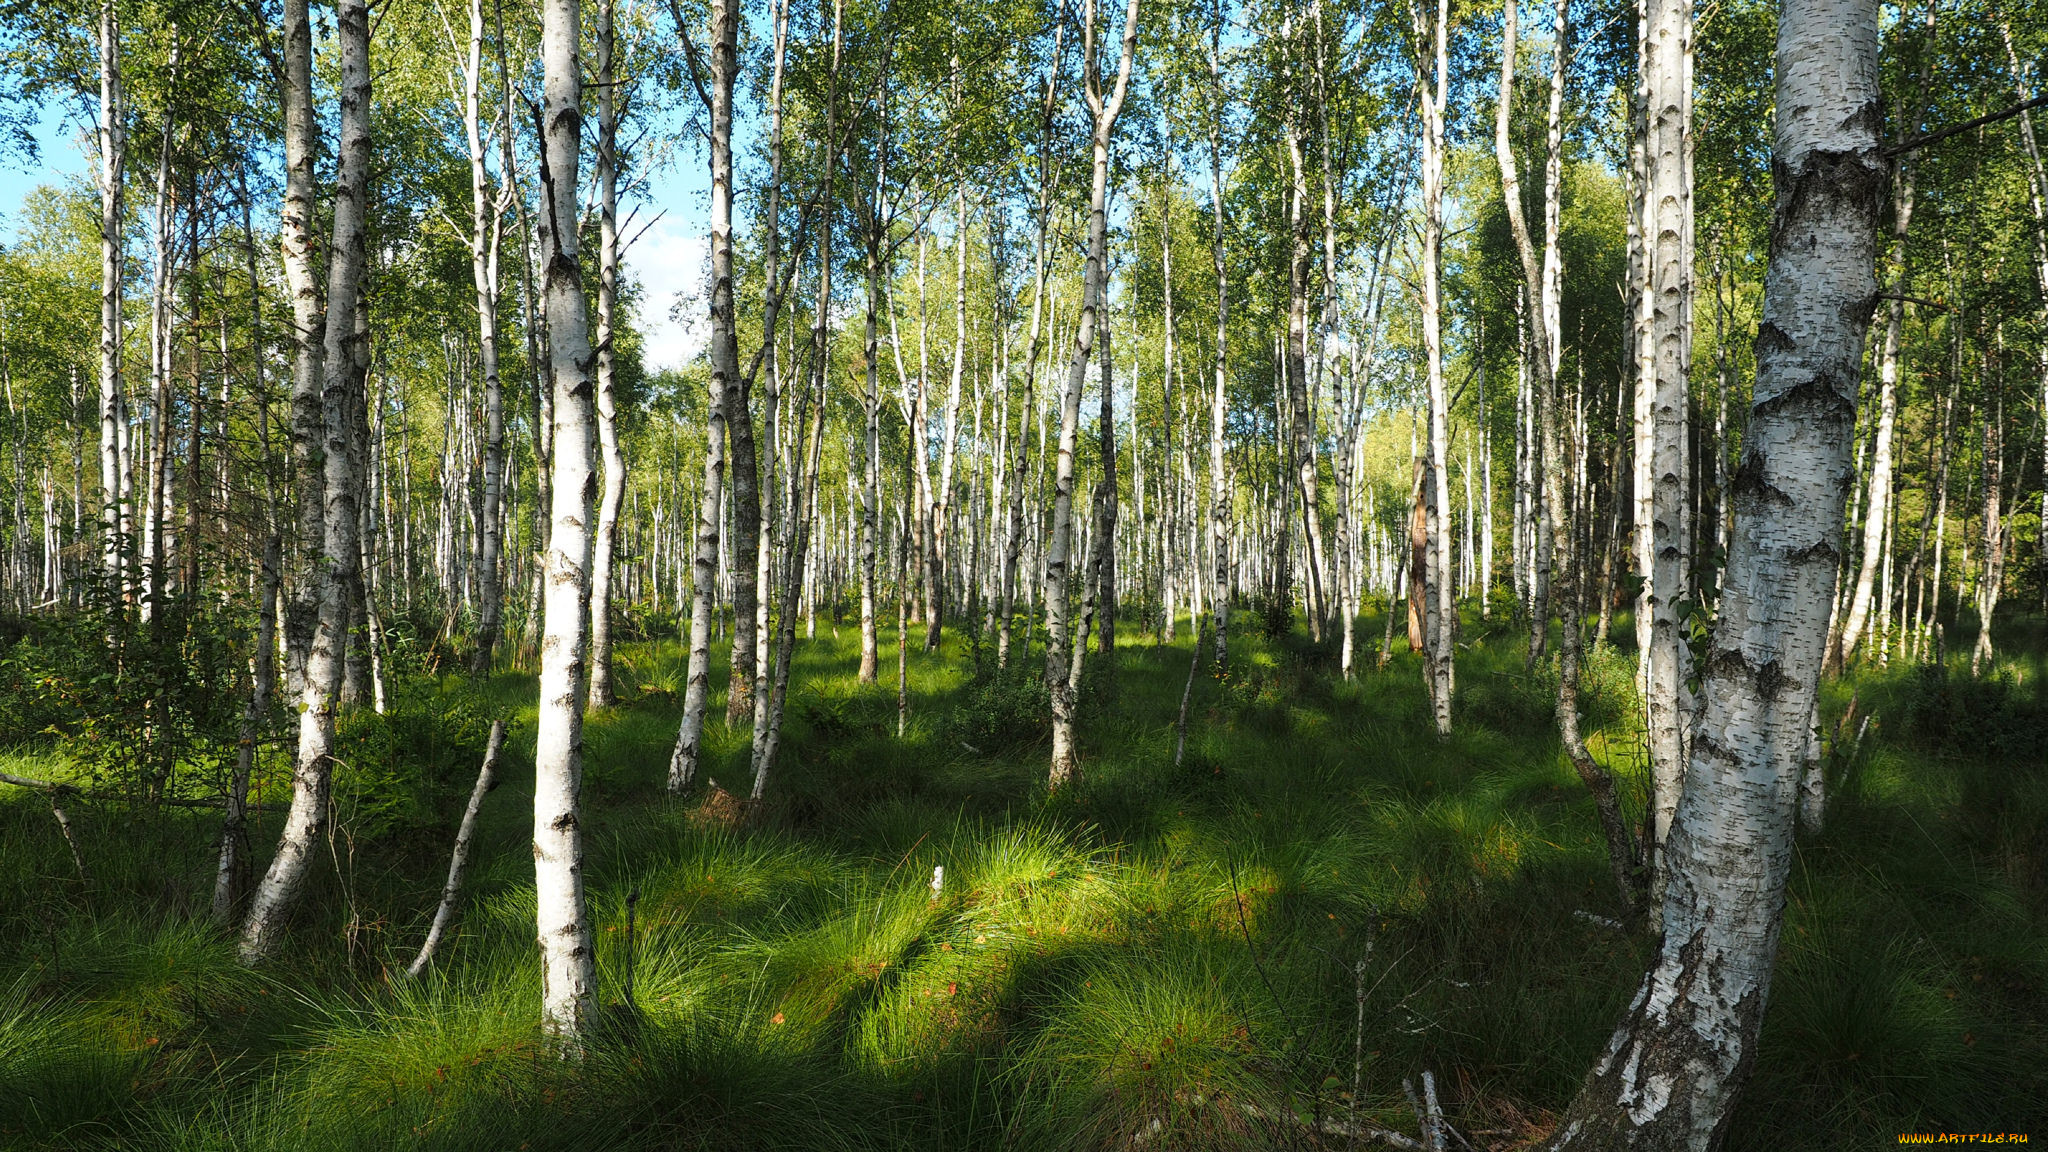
(1321, 899)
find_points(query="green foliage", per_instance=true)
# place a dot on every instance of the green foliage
(151, 708)
(1970, 716)
(1001, 711)
(410, 768)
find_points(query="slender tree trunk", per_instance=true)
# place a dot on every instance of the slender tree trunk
(1676, 1062)
(341, 360)
(1540, 344)
(942, 501)
(1441, 611)
(1877, 513)
(1102, 576)
(1991, 576)
(871, 411)
(113, 417)
(613, 494)
(724, 356)
(458, 860)
(487, 215)
(309, 332)
(804, 482)
(1302, 444)
(1219, 496)
(569, 1002)
(1013, 548)
(1665, 367)
(1059, 550)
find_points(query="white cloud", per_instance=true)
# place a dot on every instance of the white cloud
(670, 264)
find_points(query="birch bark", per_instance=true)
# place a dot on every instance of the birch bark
(1219, 405)
(1105, 108)
(1666, 365)
(1674, 1065)
(341, 362)
(724, 358)
(614, 490)
(113, 159)
(568, 958)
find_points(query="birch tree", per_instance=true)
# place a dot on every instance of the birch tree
(1676, 1062)
(1664, 365)
(341, 360)
(113, 160)
(1104, 108)
(1440, 605)
(724, 357)
(568, 957)
(613, 493)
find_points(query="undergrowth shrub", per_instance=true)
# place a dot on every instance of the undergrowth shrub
(999, 711)
(410, 768)
(153, 708)
(1978, 716)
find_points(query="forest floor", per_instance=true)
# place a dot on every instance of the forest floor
(1322, 900)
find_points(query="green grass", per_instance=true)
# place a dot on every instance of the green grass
(1174, 953)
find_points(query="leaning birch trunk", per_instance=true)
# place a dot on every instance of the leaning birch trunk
(340, 552)
(724, 357)
(562, 915)
(1059, 549)
(803, 489)
(605, 546)
(113, 147)
(1670, 1073)
(1667, 241)
(1219, 405)
(458, 860)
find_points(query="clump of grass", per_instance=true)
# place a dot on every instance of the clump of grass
(1158, 957)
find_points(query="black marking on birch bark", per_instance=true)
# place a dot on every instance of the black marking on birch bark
(1749, 483)
(1819, 550)
(1729, 662)
(1771, 680)
(1818, 398)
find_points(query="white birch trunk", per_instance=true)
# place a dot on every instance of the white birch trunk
(340, 518)
(1059, 550)
(724, 358)
(562, 915)
(113, 417)
(1675, 1063)
(458, 859)
(613, 492)
(1662, 392)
